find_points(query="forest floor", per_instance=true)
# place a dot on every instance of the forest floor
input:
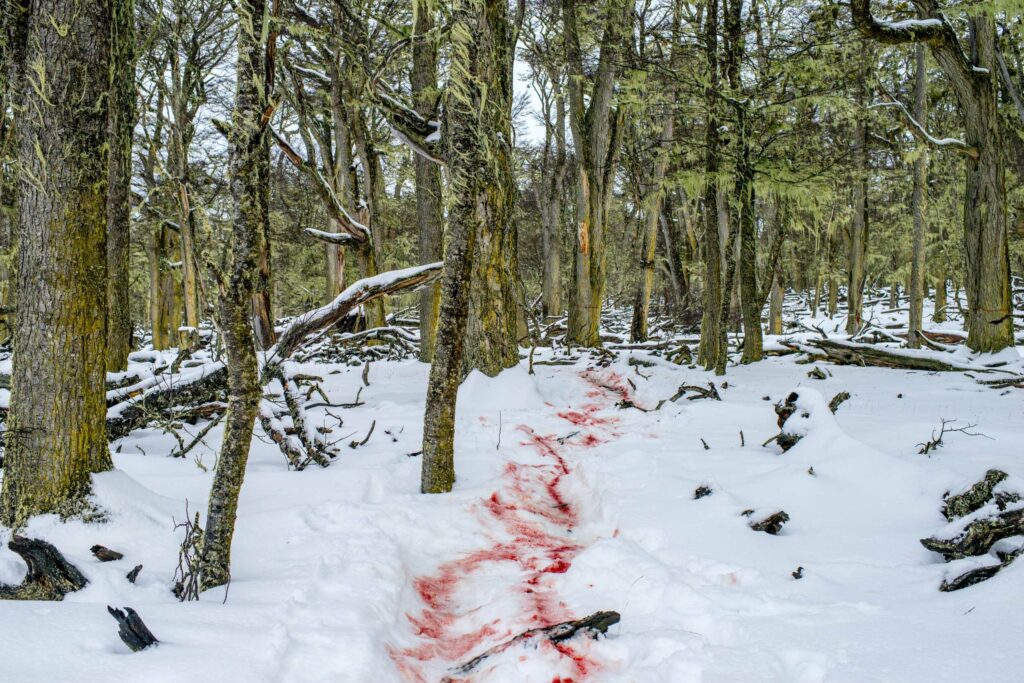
(574, 495)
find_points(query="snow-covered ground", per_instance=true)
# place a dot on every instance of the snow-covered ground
(566, 503)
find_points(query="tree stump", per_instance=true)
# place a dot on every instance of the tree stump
(49, 576)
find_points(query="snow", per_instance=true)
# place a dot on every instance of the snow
(565, 504)
(908, 24)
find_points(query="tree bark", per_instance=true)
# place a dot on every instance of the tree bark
(775, 303)
(858, 241)
(550, 197)
(121, 126)
(919, 204)
(429, 209)
(712, 335)
(972, 73)
(57, 431)
(250, 164)
(595, 137)
(477, 139)
(941, 301)
(654, 199)
(652, 215)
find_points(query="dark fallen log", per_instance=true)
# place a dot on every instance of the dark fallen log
(851, 353)
(49, 575)
(772, 524)
(593, 626)
(982, 535)
(203, 386)
(979, 536)
(104, 554)
(970, 578)
(1004, 557)
(132, 629)
(974, 498)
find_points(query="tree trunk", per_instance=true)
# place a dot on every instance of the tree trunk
(919, 204)
(477, 139)
(652, 215)
(941, 302)
(429, 209)
(775, 304)
(121, 126)
(989, 321)
(57, 429)
(654, 201)
(859, 224)
(750, 291)
(712, 335)
(595, 136)
(550, 196)
(250, 172)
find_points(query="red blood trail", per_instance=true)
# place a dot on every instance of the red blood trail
(530, 518)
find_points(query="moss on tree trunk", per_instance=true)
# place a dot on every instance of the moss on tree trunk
(57, 430)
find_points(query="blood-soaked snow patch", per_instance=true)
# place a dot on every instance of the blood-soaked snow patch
(529, 521)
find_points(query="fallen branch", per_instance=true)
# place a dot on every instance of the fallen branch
(850, 353)
(594, 626)
(936, 441)
(208, 383)
(838, 400)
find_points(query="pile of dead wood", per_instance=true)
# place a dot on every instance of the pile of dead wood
(199, 391)
(986, 531)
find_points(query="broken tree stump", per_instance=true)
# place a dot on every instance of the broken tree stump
(785, 410)
(594, 626)
(772, 524)
(49, 575)
(132, 630)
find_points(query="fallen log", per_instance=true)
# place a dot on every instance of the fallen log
(974, 498)
(49, 577)
(594, 626)
(979, 536)
(207, 384)
(852, 353)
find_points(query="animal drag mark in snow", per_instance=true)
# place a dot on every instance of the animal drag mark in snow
(530, 522)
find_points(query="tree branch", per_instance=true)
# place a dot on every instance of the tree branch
(919, 131)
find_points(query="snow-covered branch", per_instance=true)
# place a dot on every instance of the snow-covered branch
(340, 238)
(359, 232)
(919, 131)
(359, 293)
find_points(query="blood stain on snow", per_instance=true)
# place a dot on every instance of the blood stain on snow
(528, 521)
(587, 416)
